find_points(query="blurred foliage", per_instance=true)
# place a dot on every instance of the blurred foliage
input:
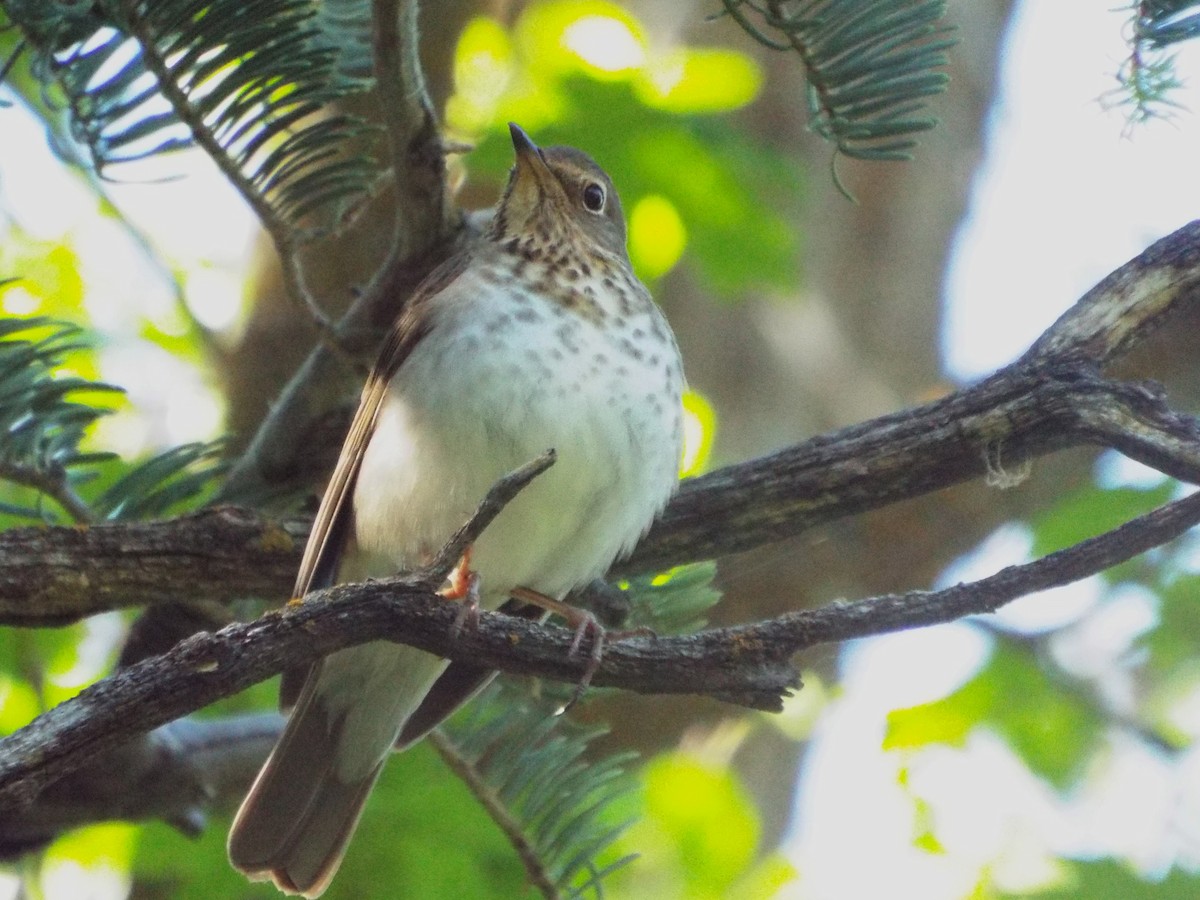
(422, 835)
(697, 835)
(583, 73)
(1109, 880)
(1053, 731)
(1065, 725)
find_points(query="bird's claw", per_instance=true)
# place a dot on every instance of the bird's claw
(468, 608)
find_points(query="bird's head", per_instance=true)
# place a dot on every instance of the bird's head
(556, 194)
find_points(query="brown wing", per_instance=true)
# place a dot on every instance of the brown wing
(460, 682)
(334, 524)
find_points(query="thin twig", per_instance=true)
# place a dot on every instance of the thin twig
(498, 497)
(408, 117)
(54, 485)
(498, 812)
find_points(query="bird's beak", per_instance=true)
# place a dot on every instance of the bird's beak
(531, 166)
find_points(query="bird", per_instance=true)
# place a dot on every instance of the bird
(538, 336)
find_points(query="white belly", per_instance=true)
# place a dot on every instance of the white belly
(506, 382)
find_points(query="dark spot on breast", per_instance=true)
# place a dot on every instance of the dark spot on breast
(623, 302)
(500, 323)
(527, 315)
(566, 334)
(631, 349)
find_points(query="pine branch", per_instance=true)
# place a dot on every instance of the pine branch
(870, 67)
(1148, 80)
(54, 484)
(426, 232)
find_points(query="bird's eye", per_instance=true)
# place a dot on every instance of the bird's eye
(593, 197)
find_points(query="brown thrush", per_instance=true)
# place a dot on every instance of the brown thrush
(540, 336)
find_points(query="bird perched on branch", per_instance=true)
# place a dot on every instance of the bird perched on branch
(539, 336)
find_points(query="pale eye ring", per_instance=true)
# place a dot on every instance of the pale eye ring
(593, 197)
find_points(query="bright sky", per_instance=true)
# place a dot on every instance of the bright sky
(1065, 196)
(1067, 192)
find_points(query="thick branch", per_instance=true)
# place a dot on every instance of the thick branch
(1124, 308)
(175, 773)
(55, 575)
(1051, 399)
(748, 664)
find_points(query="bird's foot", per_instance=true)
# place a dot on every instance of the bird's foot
(468, 608)
(584, 623)
(458, 584)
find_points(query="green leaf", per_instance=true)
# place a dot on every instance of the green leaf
(175, 478)
(41, 416)
(1093, 511)
(673, 602)
(1107, 879)
(1053, 730)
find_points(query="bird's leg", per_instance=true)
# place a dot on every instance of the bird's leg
(458, 583)
(463, 585)
(583, 622)
(468, 609)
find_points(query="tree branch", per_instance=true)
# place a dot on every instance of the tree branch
(1051, 399)
(57, 575)
(748, 664)
(54, 576)
(175, 773)
(426, 231)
